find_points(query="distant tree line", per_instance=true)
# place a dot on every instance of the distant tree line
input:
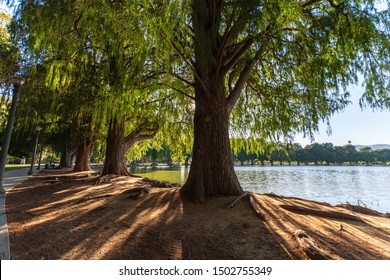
(317, 154)
(284, 154)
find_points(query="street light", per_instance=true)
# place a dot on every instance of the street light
(40, 158)
(30, 172)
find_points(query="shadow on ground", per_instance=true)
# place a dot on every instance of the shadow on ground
(64, 215)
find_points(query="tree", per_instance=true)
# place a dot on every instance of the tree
(263, 69)
(295, 153)
(279, 154)
(350, 153)
(242, 156)
(90, 46)
(9, 54)
(313, 153)
(275, 67)
(339, 154)
(327, 153)
(382, 155)
(366, 155)
(63, 114)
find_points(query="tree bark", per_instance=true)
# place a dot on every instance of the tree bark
(83, 156)
(67, 156)
(118, 145)
(114, 162)
(212, 170)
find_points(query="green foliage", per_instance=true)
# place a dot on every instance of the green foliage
(136, 61)
(302, 55)
(319, 154)
(98, 65)
(8, 52)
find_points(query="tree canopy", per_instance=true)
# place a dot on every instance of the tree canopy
(8, 51)
(98, 73)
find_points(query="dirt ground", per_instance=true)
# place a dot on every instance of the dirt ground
(59, 214)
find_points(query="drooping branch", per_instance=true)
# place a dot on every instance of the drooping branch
(74, 27)
(141, 133)
(379, 65)
(189, 63)
(184, 80)
(177, 90)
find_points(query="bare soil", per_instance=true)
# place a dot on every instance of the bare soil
(59, 214)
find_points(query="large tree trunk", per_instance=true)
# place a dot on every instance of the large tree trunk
(212, 171)
(118, 145)
(67, 156)
(114, 162)
(83, 156)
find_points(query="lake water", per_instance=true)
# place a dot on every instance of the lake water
(333, 184)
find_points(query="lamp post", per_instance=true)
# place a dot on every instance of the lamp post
(40, 158)
(30, 172)
(18, 82)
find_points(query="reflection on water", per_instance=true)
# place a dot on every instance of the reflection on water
(177, 174)
(332, 184)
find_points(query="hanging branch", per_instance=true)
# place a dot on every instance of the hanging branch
(141, 133)
(186, 61)
(177, 90)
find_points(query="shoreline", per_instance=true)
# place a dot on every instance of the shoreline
(268, 165)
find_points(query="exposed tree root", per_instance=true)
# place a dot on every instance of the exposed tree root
(252, 202)
(158, 184)
(136, 193)
(310, 247)
(296, 198)
(361, 209)
(321, 213)
(105, 179)
(237, 199)
(255, 206)
(92, 197)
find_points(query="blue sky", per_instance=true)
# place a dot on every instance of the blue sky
(365, 127)
(359, 126)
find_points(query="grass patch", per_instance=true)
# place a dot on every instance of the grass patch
(10, 167)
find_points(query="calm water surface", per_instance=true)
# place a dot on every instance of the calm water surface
(332, 184)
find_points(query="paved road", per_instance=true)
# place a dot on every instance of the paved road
(11, 179)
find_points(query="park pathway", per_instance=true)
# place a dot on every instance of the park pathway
(11, 179)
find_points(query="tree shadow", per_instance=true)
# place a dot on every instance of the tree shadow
(76, 219)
